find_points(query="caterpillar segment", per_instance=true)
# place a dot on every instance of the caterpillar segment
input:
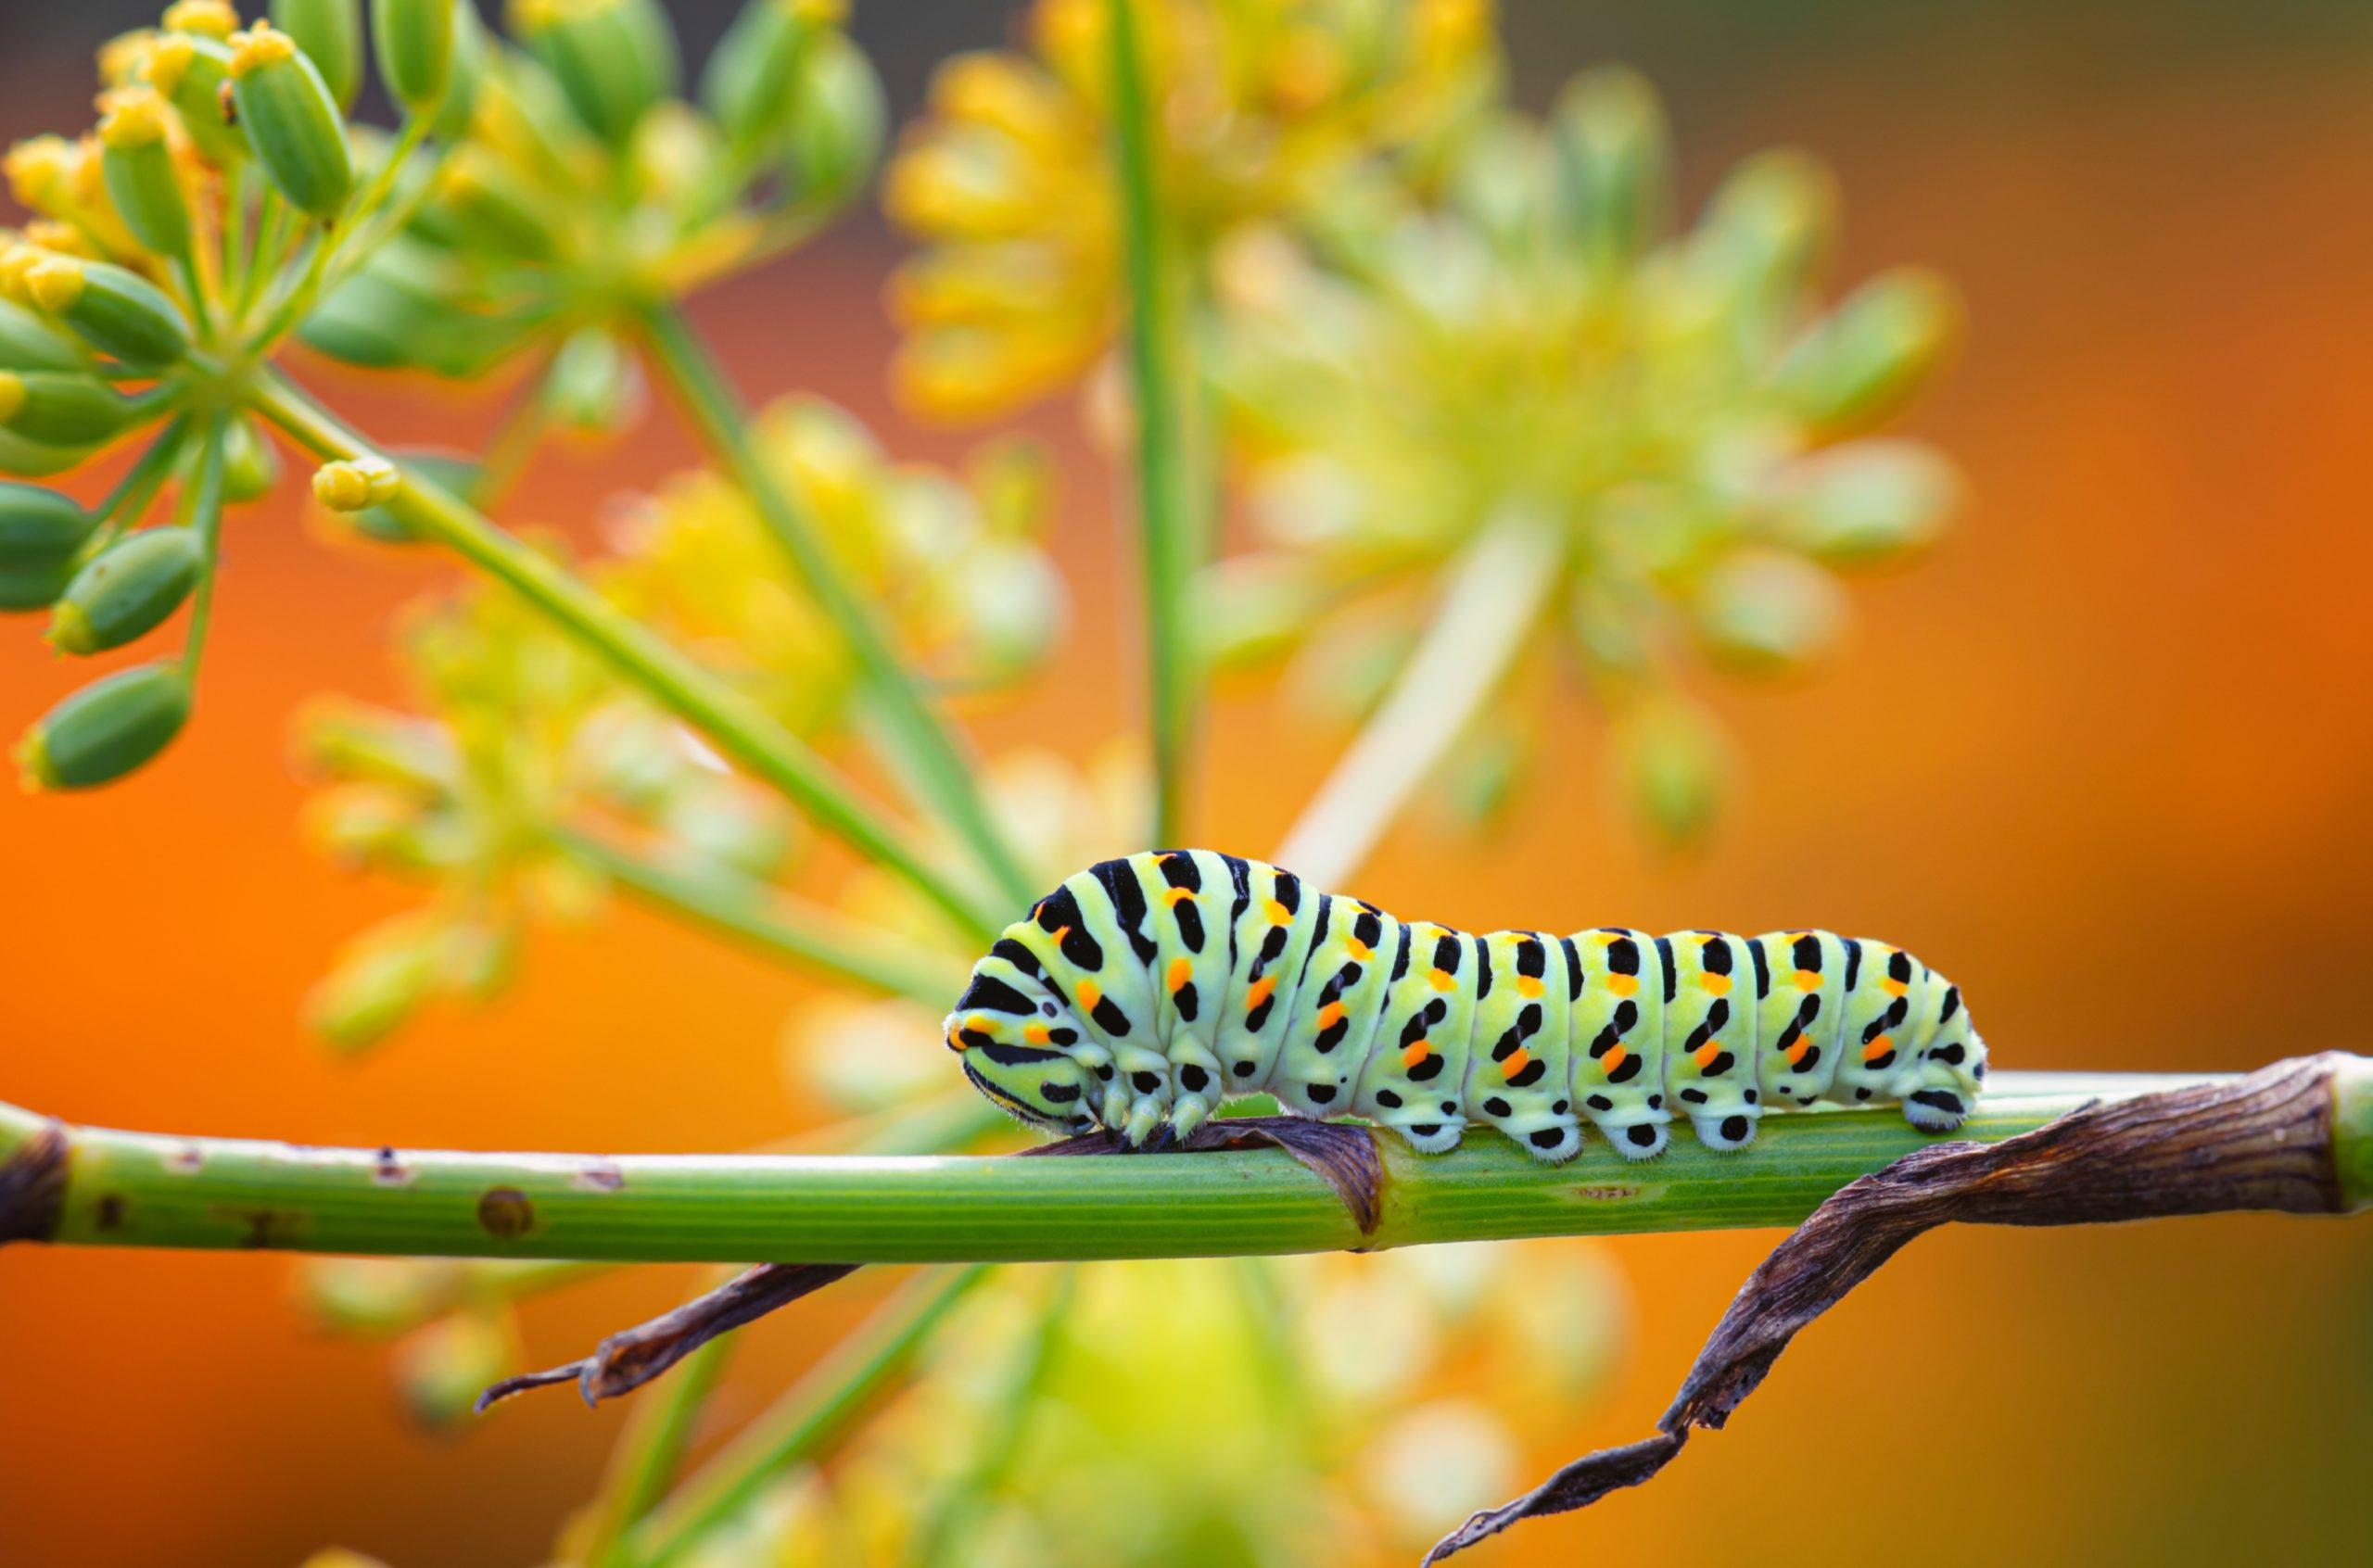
(1144, 992)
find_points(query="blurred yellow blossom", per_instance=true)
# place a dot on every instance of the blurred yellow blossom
(1259, 107)
(1678, 413)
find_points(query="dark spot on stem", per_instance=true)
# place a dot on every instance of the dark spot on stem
(387, 1171)
(506, 1213)
(599, 1177)
(111, 1212)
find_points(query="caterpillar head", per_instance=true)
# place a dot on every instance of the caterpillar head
(1017, 1040)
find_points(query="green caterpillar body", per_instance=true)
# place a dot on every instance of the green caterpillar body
(1145, 991)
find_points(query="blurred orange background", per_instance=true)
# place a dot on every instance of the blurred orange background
(2106, 756)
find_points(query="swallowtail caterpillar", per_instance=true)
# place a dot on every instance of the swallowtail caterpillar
(1145, 991)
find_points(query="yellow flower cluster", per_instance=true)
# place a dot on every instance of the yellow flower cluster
(1259, 107)
(1675, 415)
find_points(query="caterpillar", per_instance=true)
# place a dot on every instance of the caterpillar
(1145, 991)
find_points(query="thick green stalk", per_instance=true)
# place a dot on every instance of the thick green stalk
(738, 727)
(836, 1394)
(1164, 493)
(94, 1186)
(941, 766)
(1496, 591)
(776, 924)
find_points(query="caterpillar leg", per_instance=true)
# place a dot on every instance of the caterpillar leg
(1725, 1134)
(1439, 1136)
(1638, 1140)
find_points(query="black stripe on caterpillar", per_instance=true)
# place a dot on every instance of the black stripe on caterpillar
(1145, 991)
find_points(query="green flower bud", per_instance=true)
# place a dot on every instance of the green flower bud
(442, 1369)
(191, 70)
(1765, 232)
(1866, 502)
(127, 590)
(747, 84)
(838, 120)
(364, 321)
(593, 388)
(373, 1295)
(114, 309)
(39, 533)
(1872, 353)
(356, 483)
(468, 67)
(37, 459)
(250, 463)
(292, 122)
(330, 31)
(486, 204)
(381, 978)
(1768, 612)
(107, 729)
(55, 408)
(1252, 608)
(1669, 764)
(139, 166)
(28, 343)
(415, 39)
(614, 58)
(1613, 156)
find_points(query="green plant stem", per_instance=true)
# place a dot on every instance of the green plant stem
(1496, 591)
(130, 1189)
(939, 764)
(659, 1431)
(836, 1394)
(1165, 502)
(738, 727)
(776, 924)
(202, 509)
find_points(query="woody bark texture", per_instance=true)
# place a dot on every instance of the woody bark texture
(2263, 1141)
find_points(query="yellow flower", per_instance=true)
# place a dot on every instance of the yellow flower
(1259, 108)
(1675, 415)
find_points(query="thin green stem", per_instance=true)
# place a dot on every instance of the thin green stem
(946, 773)
(139, 486)
(659, 1431)
(1496, 592)
(776, 925)
(1165, 502)
(836, 1393)
(129, 1189)
(334, 247)
(516, 436)
(202, 508)
(738, 727)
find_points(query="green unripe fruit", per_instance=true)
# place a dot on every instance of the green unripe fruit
(114, 309)
(55, 408)
(28, 343)
(39, 533)
(107, 729)
(37, 459)
(292, 122)
(415, 42)
(330, 31)
(127, 590)
(250, 466)
(746, 85)
(1872, 353)
(613, 58)
(838, 115)
(469, 66)
(138, 168)
(192, 71)
(592, 388)
(1613, 159)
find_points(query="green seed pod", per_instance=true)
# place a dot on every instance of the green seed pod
(488, 204)
(415, 39)
(1863, 362)
(191, 70)
(442, 1369)
(746, 85)
(28, 343)
(362, 321)
(292, 122)
(37, 459)
(114, 309)
(1669, 764)
(381, 979)
(127, 590)
(838, 119)
(330, 31)
(1866, 502)
(39, 533)
(468, 67)
(56, 408)
(1613, 156)
(251, 464)
(614, 58)
(107, 729)
(592, 388)
(139, 166)
(1768, 612)
(1764, 235)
